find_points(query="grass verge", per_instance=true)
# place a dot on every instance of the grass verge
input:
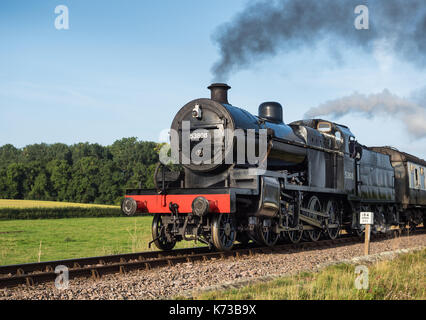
(399, 279)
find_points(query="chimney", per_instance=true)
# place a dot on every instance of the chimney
(219, 92)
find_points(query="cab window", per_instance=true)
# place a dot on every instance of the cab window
(339, 141)
(324, 127)
(338, 136)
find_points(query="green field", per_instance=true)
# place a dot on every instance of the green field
(403, 278)
(32, 231)
(29, 209)
(23, 241)
(25, 204)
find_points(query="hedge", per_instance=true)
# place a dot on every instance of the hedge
(58, 213)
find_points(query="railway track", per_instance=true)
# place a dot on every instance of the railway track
(95, 267)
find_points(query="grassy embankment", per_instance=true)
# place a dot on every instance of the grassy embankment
(398, 279)
(23, 241)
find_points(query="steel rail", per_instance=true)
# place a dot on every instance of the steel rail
(81, 262)
(94, 267)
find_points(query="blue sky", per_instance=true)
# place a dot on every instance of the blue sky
(124, 68)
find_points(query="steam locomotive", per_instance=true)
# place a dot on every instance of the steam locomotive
(310, 179)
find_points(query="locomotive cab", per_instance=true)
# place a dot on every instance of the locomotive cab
(335, 136)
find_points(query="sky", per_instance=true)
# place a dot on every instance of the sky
(124, 69)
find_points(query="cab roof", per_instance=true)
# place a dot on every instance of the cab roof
(313, 123)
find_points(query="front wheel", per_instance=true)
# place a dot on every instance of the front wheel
(159, 234)
(224, 231)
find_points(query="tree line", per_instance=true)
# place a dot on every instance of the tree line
(83, 172)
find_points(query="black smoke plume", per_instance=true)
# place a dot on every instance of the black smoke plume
(266, 28)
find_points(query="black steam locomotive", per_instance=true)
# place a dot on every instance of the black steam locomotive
(312, 180)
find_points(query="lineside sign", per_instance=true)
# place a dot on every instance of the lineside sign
(367, 219)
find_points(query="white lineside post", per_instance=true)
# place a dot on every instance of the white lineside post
(367, 219)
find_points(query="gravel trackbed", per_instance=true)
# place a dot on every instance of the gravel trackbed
(182, 279)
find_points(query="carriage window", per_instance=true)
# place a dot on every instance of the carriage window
(324, 127)
(416, 177)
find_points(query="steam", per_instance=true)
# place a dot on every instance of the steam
(411, 111)
(266, 28)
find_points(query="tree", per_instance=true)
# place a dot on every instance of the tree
(130, 154)
(41, 188)
(15, 177)
(9, 154)
(4, 191)
(81, 150)
(85, 180)
(59, 151)
(35, 152)
(60, 176)
(83, 172)
(112, 183)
